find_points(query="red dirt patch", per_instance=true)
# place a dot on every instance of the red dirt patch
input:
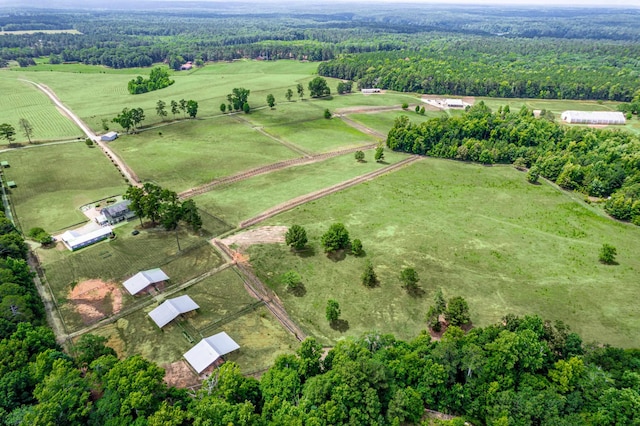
(179, 375)
(95, 299)
(262, 235)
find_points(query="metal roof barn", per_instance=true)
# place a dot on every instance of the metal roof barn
(209, 349)
(171, 309)
(144, 279)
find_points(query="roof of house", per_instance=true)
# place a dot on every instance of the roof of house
(116, 209)
(209, 349)
(143, 279)
(455, 102)
(170, 309)
(76, 238)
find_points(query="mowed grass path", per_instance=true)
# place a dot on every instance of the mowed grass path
(483, 233)
(245, 199)
(190, 153)
(55, 181)
(260, 336)
(23, 100)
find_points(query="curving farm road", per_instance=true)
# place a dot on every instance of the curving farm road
(117, 161)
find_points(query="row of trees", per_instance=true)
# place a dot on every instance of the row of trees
(158, 79)
(188, 107)
(598, 162)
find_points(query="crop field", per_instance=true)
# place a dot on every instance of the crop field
(53, 182)
(478, 232)
(187, 154)
(117, 260)
(224, 306)
(23, 100)
(247, 198)
(102, 94)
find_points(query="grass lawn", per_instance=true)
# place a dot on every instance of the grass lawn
(221, 298)
(54, 181)
(383, 121)
(95, 92)
(478, 232)
(117, 260)
(22, 100)
(247, 198)
(191, 153)
(556, 106)
(357, 99)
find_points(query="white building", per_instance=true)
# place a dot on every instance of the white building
(454, 103)
(108, 137)
(593, 117)
(76, 239)
(144, 279)
(171, 309)
(369, 91)
(209, 350)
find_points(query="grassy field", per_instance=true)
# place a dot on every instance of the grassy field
(55, 181)
(482, 233)
(383, 121)
(250, 197)
(190, 153)
(222, 300)
(117, 260)
(23, 100)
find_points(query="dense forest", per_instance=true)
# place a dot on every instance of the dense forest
(598, 162)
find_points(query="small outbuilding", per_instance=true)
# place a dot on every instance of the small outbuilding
(144, 279)
(593, 117)
(187, 66)
(454, 103)
(11, 184)
(210, 350)
(108, 137)
(4, 164)
(172, 309)
(117, 212)
(369, 91)
(75, 240)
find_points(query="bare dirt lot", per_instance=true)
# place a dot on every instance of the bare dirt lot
(262, 235)
(179, 375)
(95, 299)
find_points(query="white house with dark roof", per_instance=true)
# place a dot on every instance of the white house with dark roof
(171, 309)
(144, 279)
(209, 350)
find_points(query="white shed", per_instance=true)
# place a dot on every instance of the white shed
(454, 103)
(171, 309)
(107, 137)
(209, 350)
(593, 117)
(144, 279)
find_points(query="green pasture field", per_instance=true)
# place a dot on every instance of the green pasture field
(55, 181)
(190, 153)
(556, 106)
(321, 135)
(224, 306)
(383, 121)
(245, 199)
(22, 100)
(95, 92)
(117, 260)
(483, 233)
(357, 99)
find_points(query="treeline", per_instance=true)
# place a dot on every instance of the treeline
(498, 67)
(598, 162)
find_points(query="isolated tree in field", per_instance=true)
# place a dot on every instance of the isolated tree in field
(608, 254)
(336, 238)
(246, 108)
(175, 108)
(161, 109)
(192, 108)
(7, 131)
(409, 279)
(356, 247)
(296, 237)
(327, 114)
(417, 109)
(223, 107)
(332, 311)
(238, 97)
(457, 312)
(359, 155)
(124, 119)
(182, 103)
(26, 127)
(289, 95)
(379, 155)
(300, 89)
(292, 280)
(271, 100)
(105, 124)
(318, 87)
(369, 277)
(405, 105)
(422, 110)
